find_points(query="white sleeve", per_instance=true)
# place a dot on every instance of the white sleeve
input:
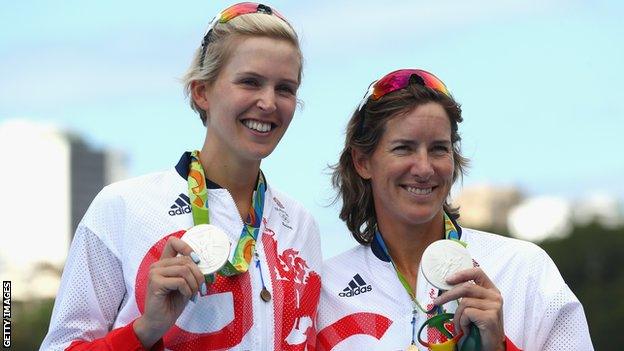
(562, 324)
(91, 292)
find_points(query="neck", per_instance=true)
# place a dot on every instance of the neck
(239, 178)
(406, 243)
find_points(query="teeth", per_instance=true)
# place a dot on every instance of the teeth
(419, 191)
(258, 126)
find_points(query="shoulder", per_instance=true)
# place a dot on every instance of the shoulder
(139, 184)
(137, 189)
(497, 253)
(513, 263)
(347, 258)
(488, 245)
(131, 197)
(342, 267)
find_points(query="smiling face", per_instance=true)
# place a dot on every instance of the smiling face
(411, 169)
(253, 99)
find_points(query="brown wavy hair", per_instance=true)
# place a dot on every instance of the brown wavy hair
(364, 131)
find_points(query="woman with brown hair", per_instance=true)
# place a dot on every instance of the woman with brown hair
(418, 280)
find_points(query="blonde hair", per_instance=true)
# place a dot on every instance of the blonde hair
(221, 43)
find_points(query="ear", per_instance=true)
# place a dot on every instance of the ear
(199, 94)
(361, 162)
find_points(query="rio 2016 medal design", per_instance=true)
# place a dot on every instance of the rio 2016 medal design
(211, 244)
(443, 258)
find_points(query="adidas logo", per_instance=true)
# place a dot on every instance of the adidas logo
(182, 205)
(356, 286)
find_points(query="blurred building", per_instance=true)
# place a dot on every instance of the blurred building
(89, 171)
(48, 178)
(486, 207)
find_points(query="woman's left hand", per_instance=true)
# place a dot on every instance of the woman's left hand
(481, 303)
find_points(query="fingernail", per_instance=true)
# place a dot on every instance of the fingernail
(194, 297)
(451, 277)
(195, 257)
(204, 289)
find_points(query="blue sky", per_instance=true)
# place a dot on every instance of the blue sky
(539, 81)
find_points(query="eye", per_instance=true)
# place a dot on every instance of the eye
(286, 89)
(440, 149)
(400, 149)
(250, 82)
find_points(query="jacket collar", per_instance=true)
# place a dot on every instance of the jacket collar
(379, 252)
(183, 168)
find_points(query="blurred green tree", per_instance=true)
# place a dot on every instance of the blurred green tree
(591, 260)
(30, 324)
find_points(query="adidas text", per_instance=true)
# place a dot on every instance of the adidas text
(356, 291)
(179, 211)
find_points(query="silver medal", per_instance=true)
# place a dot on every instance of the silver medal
(443, 258)
(211, 244)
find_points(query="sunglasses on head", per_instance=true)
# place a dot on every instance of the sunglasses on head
(232, 12)
(400, 79)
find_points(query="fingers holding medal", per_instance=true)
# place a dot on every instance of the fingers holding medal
(172, 281)
(481, 303)
(176, 270)
(186, 264)
(448, 266)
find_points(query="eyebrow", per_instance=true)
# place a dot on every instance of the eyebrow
(414, 142)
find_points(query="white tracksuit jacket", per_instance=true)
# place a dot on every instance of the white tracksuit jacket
(124, 231)
(364, 306)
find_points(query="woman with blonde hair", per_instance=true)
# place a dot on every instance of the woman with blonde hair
(143, 270)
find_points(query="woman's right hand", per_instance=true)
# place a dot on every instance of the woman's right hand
(173, 280)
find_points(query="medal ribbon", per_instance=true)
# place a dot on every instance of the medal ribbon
(246, 245)
(451, 233)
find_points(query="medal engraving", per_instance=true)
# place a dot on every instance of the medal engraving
(211, 244)
(443, 258)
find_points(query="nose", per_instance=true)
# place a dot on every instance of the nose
(421, 167)
(267, 100)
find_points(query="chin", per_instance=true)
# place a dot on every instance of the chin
(255, 150)
(423, 215)
(260, 153)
